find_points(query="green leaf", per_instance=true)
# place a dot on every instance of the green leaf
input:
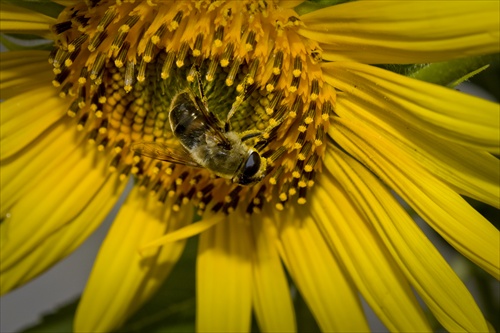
(448, 73)
(453, 72)
(60, 321)
(45, 7)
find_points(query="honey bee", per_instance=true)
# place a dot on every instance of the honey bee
(206, 142)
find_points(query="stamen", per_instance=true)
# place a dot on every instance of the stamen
(115, 162)
(297, 67)
(92, 136)
(155, 39)
(98, 66)
(76, 44)
(73, 109)
(119, 39)
(162, 198)
(61, 27)
(233, 72)
(122, 55)
(302, 196)
(212, 67)
(103, 144)
(60, 78)
(167, 65)
(326, 111)
(218, 36)
(314, 90)
(250, 42)
(271, 84)
(181, 55)
(311, 162)
(119, 146)
(276, 100)
(300, 140)
(129, 76)
(305, 151)
(106, 20)
(68, 62)
(275, 155)
(97, 40)
(65, 89)
(141, 75)
(82, 79)
(198, 45)
(60, 57)
(81, 21)
(294, 85)
(182, 177)
(125, 172)
(293, 187)
(278, 63)
(176, 21)
(279, 116)
(204, 191)
(302, 181)
(233, 195)
(276, 175)
(310, 178)
(311, 112)
(252, 71)
(226, 56)
(296, 106)
(297, 170)
(320, 134)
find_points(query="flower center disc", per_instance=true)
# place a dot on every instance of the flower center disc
(123, 63)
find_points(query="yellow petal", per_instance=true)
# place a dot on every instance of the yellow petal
(470, 172)
(425, 107)
(23, 172)
(15, 19)
(403, 32)
(186, 232)
(448, 213)
(65, 240)
(271, 293)
(223, 278)
(122, 279)
(40, 108)
(365, 257)
(58, 198)
(423, 266)
(325, 286)
(22, 71)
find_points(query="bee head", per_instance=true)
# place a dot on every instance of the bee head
(250, 170)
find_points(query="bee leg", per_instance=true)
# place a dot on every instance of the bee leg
(197, 73)
(247, 135)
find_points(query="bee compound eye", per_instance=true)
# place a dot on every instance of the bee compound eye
(252, 166)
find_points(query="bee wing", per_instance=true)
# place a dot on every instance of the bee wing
(213, 123)
(162, 152)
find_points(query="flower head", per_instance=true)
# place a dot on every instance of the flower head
(122, 65)
(272, 126)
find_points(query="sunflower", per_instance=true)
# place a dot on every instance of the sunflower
(319, 150)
